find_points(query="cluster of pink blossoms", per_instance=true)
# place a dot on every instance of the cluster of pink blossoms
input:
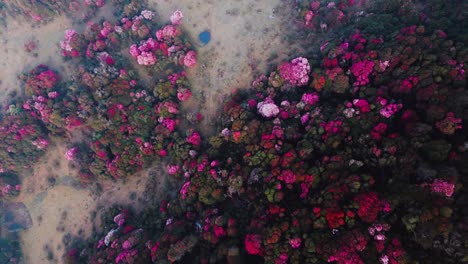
(147, 14)
(167, 33)
(389, 110)
(169, 123)
(144, 53)
(288, 177)
(443, 187)
(72, 122)
(308, 17)
(295, 242)
(168, 106)
(171, 31)
(310, 98)
(67, 44)
(346, 255)
(378, 231)
(47, 79)
(40, 105)
(146, 58)
(70, 154)
(268, 108)
(407, 85)
(120, 219)
(107, 28)
(194, 139)
(190, 59)
(125, 255)
(296, 72)
(40, 143)
(361, 70)
(53, 95)
(105, 58)
(184, 189)
(361, 104)
(183, 94)
(5, 190)
(172, 169)
(253, 244)
(378, 131)
(332, 126)
(146, 148)
(176, 18)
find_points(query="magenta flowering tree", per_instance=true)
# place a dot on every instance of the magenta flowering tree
(296, 72)
(50, 101)
(24, 139)
(129, 123)
(164, 46)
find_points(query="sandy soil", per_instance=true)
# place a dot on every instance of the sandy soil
(247, 35)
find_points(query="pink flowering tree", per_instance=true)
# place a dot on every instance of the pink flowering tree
(24, 140)
(137, 123)
(296, 72)
(165, 46)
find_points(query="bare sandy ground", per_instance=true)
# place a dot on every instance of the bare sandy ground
(247, 35)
